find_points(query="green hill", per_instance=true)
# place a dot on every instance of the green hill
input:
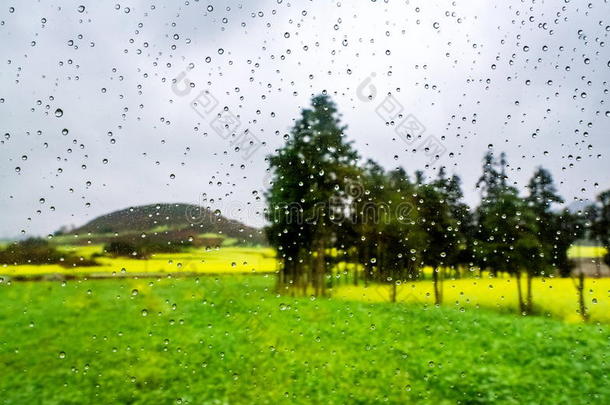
(171, 221)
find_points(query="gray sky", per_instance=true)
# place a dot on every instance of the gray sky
(529, 78)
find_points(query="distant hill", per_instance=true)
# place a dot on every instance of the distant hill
(173, 220)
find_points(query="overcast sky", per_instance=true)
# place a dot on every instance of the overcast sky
(529, 78)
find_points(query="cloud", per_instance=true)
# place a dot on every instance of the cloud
(529, 79)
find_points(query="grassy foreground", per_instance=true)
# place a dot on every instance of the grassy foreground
(230, 339)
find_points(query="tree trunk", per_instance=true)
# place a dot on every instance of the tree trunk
(530, 301)
(356, 260)
(377, 266)
(316, 270)
(437, 292)
(519, 292)
(580, 288)
(308, 277)
(442, 282)
(281, 277)
(366, 263)
(320, 271)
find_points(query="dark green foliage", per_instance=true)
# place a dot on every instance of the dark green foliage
(492, 180)
(441, 240)
(390, 227)
(142, 248)
(497, 221)
(465, 227)
(39, 251)
(556, 230)
(30, 251)
(447, 225)
(565, 228)
(121, 248)
(384, 218)
(508, 232)
(308, 195)
(599, 217)
(542, 193)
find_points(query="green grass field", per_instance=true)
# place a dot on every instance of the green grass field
(230, 339)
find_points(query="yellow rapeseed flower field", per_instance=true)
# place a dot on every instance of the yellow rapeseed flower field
(231, 260)
(576, 252)
(555, 297)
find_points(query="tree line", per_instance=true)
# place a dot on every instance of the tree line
(331, 215)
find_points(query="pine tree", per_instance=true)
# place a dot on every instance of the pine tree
(308, 194)
(441, 241)
(507, 231)
(490, 181)
(557, 231)
(460, 252)
(491, 189)
(599, 215)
